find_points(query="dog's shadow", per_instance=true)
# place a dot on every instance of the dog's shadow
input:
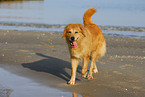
(52, 66)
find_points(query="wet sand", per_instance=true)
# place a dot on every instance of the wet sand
(44, 58)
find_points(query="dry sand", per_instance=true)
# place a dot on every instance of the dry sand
(44, 58)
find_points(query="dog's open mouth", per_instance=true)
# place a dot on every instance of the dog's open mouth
(73, 43)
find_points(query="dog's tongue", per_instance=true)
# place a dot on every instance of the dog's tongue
(74, 44)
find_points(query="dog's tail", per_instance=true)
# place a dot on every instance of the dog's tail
(87, 16)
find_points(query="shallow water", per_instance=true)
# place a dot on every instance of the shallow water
(24, 87)
(110, 12)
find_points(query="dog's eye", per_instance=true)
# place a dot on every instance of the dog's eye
(76, 32)
(69, 32)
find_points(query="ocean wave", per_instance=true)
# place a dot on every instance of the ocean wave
(113, 31)
(112, 28)
(119, 28)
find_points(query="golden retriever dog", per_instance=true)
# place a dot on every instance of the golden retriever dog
(84, 42)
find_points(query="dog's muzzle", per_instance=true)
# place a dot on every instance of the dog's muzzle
(73, 42)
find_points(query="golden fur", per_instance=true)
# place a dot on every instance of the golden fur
(84, 42)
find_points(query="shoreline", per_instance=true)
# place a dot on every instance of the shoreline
(113, 31)
(103, 27)
(44, 58)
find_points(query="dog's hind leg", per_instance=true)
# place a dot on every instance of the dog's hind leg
(93, 67)
(90, 75)
(85, 65)
(95, 70)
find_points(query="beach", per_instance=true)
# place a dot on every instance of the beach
(44, 58)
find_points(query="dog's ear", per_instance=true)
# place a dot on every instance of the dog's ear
(64, 32)
(83, 30)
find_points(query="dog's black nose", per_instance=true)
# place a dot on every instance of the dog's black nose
(72, 38)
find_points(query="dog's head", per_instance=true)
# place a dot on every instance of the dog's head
(73, 33)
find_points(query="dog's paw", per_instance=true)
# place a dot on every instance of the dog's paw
(95, 71)
(71, 82)
(84, 75)
(89, 77)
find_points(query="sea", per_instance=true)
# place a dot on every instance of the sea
(117, 18)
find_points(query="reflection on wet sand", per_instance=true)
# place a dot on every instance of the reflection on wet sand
(10, 1)
(23, 10)
(76, 95)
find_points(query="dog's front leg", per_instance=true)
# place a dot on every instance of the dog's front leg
(74, 64)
